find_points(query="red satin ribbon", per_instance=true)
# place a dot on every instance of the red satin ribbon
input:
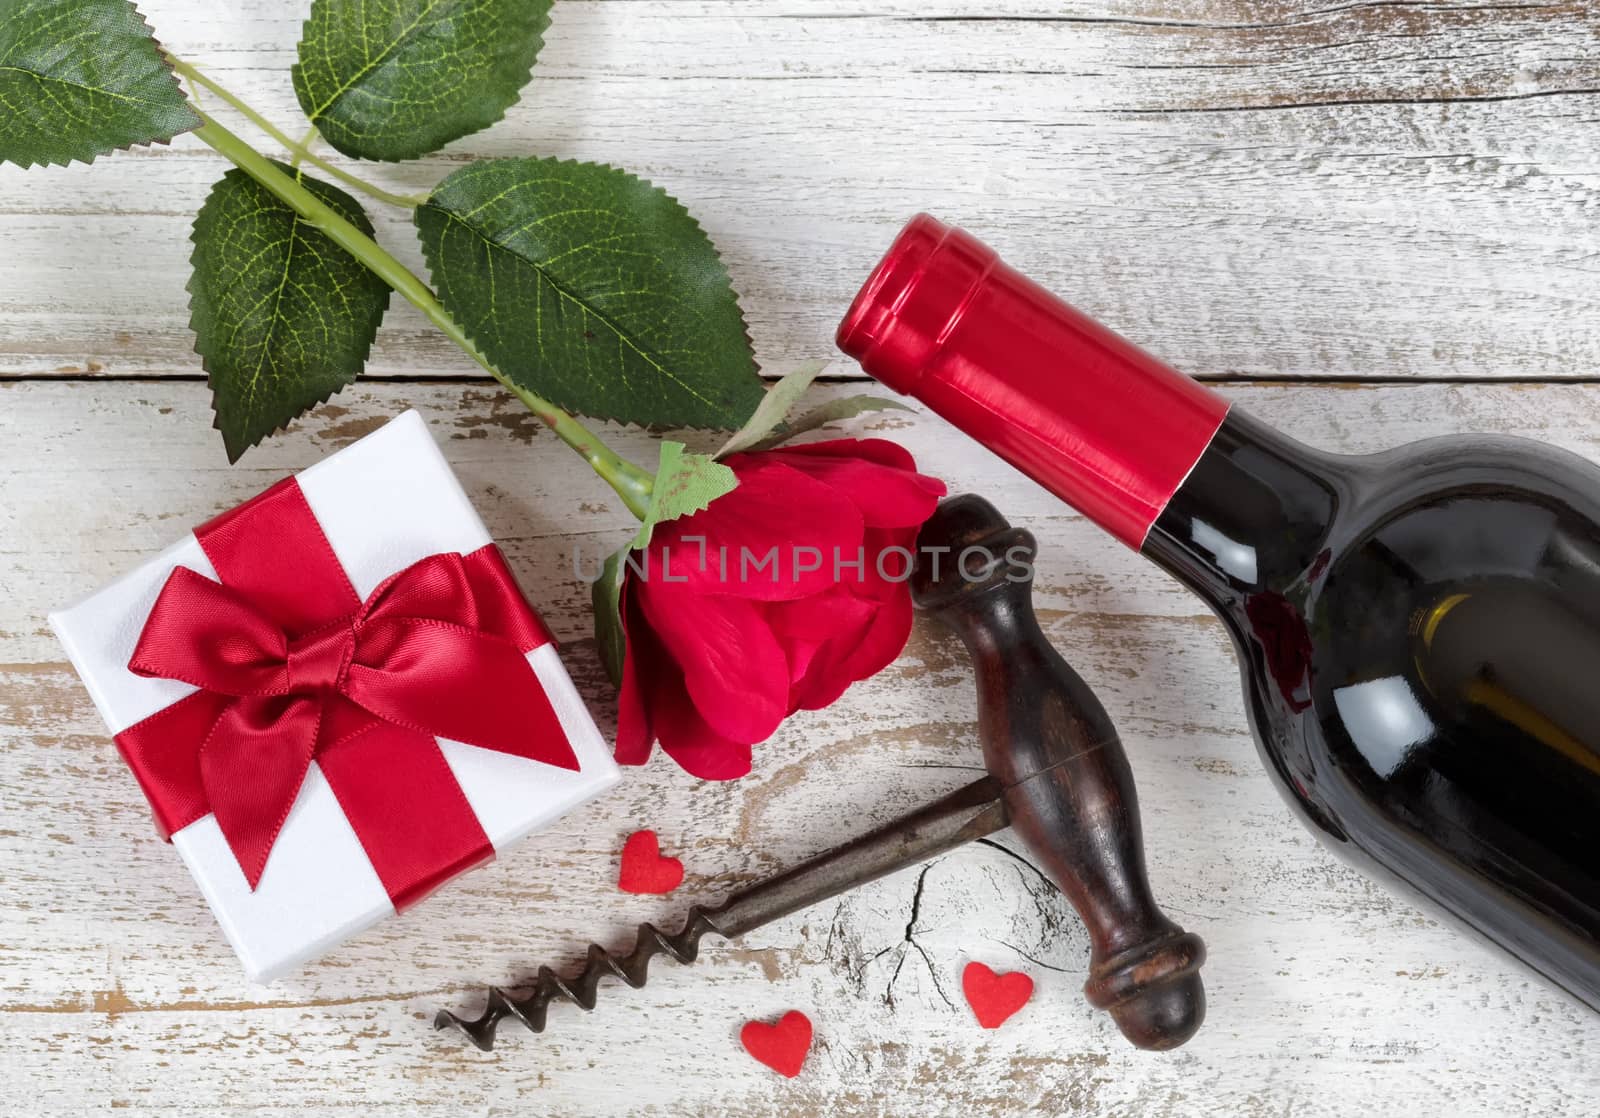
(291, 665)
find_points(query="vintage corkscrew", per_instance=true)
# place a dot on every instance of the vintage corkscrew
(1057, 776)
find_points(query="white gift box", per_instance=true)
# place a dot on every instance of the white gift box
(384, 503)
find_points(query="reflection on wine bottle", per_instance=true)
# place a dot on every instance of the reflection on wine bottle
(1285, 644)
(1385, 721)
(1513, 661)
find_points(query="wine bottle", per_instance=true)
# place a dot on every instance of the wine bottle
(1418, 630)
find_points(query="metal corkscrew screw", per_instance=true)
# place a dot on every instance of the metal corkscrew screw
(1057, 775)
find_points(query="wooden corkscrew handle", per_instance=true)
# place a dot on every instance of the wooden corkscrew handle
(1068, 789)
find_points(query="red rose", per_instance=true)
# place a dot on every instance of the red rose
(778, 596)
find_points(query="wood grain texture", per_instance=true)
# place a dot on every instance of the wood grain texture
(1328, 994)
(1326, 190)
(1251, 187)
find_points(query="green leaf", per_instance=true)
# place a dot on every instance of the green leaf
(685, 484)
(606, 597)
(395, 79)
(282, 316)
(774, 408)
(592, 288)
(82, 78)
(831, 412)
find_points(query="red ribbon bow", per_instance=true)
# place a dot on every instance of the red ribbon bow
(292, 666)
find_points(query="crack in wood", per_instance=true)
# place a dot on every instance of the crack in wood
(1054, 911)
(1032, 959)
(910, 940)
(916, 900)
(1008, 852)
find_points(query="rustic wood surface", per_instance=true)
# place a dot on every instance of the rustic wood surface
(1391, 203)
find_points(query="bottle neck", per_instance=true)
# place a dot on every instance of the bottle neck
(1150, 455)
(1251, 516)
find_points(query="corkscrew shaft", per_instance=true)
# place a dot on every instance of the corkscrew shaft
(966, 814)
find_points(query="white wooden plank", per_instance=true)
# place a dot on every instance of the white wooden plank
(1255, 189)
(1328, 995)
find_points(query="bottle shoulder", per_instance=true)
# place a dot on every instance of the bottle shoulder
(1453, 509)
(1445, 718)
(1520, 468)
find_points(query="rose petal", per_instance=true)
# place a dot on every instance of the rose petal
(845, 661)
(776, 511)
(732, 664)
(724, 760)
(641, 663)
(800, 654)
(826, 675)
(887, 497)
(881, 451)
(820, 617)
(884, 641)
(659, 703)
(807, 626)
(887, 557)
(697, 748)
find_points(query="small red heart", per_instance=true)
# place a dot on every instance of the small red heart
(782, 1047)
(994, 997)
(644, 870)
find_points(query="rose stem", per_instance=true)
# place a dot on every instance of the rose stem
(298, 149)
(631, 483)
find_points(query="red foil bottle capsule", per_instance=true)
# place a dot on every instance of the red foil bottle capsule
(1101, 423)
(1417, 630)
